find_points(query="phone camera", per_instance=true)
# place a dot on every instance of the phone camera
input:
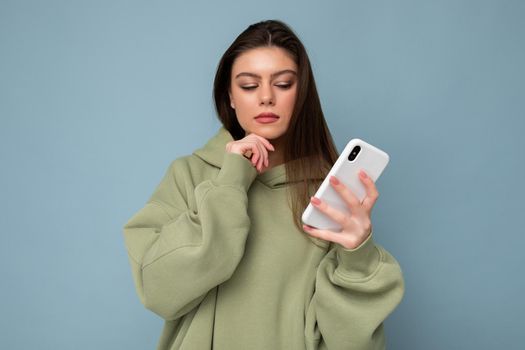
(354, 153)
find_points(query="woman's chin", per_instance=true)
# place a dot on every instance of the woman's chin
(269, 132)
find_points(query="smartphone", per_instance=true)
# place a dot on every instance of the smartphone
(357, 155)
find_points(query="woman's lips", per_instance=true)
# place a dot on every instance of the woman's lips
(266, 118)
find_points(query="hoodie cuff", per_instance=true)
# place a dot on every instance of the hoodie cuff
(236, 170)
(360, 262)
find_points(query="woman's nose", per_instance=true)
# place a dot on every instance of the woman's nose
(267, 96)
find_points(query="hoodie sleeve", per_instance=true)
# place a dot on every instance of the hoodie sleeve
(355, 291)
(178, 254)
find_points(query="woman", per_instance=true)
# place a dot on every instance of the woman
(219, 252)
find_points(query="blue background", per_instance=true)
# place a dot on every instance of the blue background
(97, 97)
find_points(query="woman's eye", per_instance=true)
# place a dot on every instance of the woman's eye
(282, 86)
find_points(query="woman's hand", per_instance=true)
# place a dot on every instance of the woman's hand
(253, 147)
(357, 226)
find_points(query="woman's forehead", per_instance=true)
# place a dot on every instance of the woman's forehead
(263, 61)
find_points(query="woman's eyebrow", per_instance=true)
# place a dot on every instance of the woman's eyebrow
(272, 76)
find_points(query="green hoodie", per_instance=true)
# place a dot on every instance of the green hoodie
(215, 253)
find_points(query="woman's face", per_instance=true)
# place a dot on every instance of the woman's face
(263, 80)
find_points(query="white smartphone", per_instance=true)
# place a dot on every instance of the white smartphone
(357, 155)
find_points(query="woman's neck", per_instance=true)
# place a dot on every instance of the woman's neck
(276, 157)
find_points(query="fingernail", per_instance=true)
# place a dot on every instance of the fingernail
(334, 180)
(306, 228)
(315, 201)
(362, 174)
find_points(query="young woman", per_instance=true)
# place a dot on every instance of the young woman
(218, 251)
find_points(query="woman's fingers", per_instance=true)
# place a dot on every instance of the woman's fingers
(262, 158)
(263, 144)
(346, 240)
(255, 153)
(371, 191)
(345, 193)
(350, 198)
(260, 155)
(265, 141)
(253, 147)
(266, 145)
(357, 225)
(264, 154)
(336, 215)
(326, 235)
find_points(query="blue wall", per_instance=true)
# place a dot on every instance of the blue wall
(97, 97)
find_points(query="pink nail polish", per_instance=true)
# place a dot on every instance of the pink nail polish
(334, 180)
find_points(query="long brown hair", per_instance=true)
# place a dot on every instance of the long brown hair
(309, 150)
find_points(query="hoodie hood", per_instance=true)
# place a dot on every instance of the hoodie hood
(213, 153)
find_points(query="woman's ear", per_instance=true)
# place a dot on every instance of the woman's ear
(231, 100)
